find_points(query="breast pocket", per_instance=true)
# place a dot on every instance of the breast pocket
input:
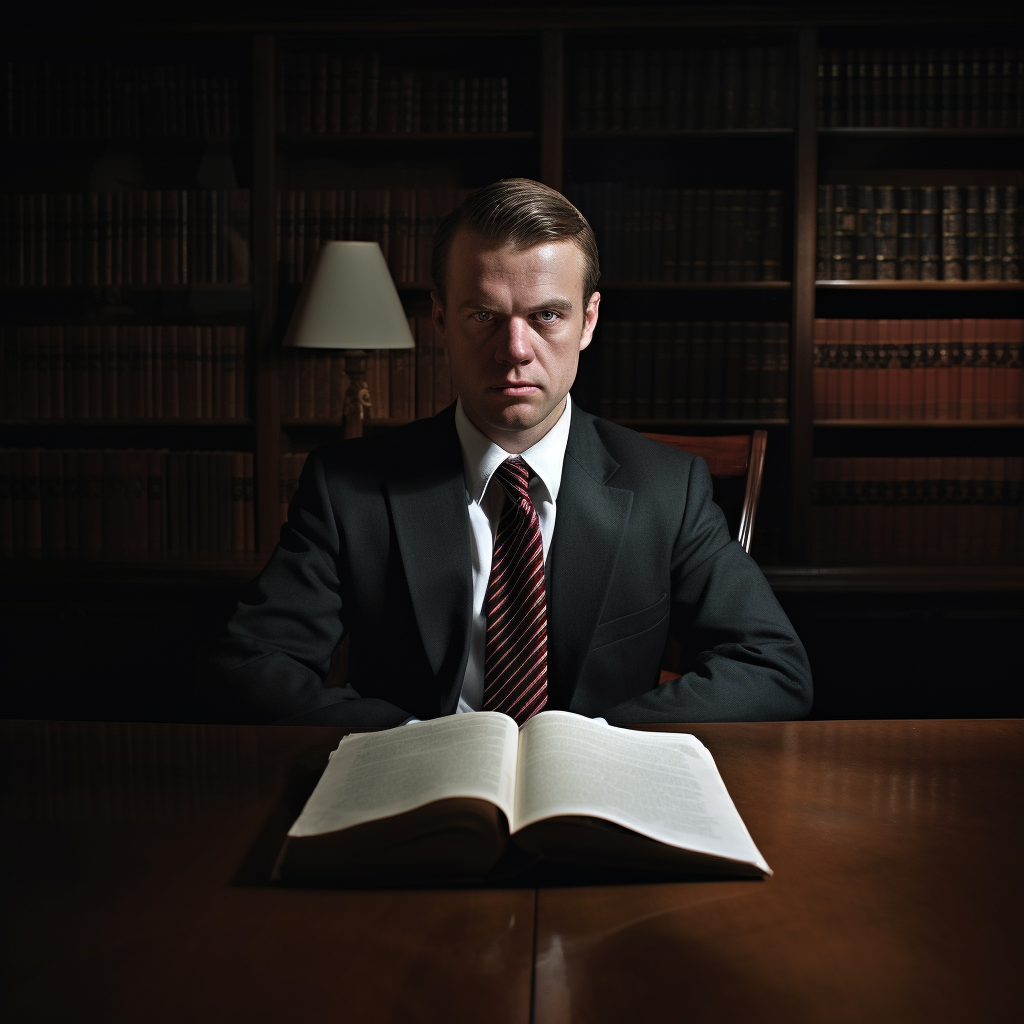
(632, 624)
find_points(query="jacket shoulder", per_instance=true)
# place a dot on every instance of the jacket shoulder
(634, 453)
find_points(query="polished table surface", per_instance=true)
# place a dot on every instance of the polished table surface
(134, 864)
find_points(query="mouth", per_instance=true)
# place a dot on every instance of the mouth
(515, 388)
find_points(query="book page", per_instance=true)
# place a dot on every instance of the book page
(377, 775)
(662, 785)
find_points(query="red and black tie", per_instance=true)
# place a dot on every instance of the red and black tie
(516, 655)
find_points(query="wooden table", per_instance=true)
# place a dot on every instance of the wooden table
(134, 859)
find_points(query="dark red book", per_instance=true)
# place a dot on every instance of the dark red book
(983, 369)
(968, 351)
(930, 370)
(918, 330)
(845, 371)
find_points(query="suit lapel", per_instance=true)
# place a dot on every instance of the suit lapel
(589, 526)
(428, 507)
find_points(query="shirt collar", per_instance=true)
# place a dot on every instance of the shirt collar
(481, 456)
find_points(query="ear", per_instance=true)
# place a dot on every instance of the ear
(590, 320)
(437, 312)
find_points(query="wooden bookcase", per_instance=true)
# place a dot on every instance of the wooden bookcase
(538, 54)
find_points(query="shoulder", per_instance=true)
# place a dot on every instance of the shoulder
(637, 457)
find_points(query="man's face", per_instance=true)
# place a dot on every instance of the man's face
(515, 325)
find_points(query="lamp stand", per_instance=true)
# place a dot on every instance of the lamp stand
(357, 398)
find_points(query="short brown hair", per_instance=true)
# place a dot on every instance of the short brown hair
(521, 213)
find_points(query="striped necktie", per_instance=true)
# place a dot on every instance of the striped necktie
(516, 653)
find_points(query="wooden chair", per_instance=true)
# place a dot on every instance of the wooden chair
(729, 457)
(732, 458)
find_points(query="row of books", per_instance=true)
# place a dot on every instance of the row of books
(333, 93)
(402, 221)
(125, 502)
(921, 87)
(156, 237)
(403, 384)
(699, 370)
(673, 234)
(673, 88)
(103, 100)
(117, 372)
(897, 233)
(913, 511)
(967, 369)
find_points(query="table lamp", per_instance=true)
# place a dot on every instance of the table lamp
(349, 301)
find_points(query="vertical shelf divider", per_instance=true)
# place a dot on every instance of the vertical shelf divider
(805, 185)
(552, 114)
(267, 415)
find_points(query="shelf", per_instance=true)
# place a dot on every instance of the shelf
(921, 133)
(338, 422)
(135, 421)
(180, 304)
(926, 424)
(895, 579)
(695, 286)
(402, 137)
(124, 289)
(924, 286)
(207, 568)
(653, 425)
(609, 134)
(12, 143)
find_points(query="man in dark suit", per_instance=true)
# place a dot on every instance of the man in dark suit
(389, 539)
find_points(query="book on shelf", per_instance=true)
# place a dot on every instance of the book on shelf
(160, 372)
(327, 93)
(935, 369)
(106, 100)
(401, 221)
(929, 233)
(125, 238)
(692, 370)
(475, 798)
(117, 502)
(960, 510)
(659, 234)
(672, 88)
(921, 87)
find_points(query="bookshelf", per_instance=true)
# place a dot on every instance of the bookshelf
(641, 117)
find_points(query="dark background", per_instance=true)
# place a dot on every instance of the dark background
(110, 645)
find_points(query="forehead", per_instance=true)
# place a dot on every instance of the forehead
(478, 265)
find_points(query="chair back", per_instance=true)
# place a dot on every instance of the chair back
(737, 457)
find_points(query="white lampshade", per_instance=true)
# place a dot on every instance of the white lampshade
(348, 301)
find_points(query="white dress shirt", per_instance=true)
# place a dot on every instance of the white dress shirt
(480, 458)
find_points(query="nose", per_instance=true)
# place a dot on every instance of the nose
(515, 344)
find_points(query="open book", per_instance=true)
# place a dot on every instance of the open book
(453, 797)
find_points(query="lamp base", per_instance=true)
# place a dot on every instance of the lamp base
(357, 398)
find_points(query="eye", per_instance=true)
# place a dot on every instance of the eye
(482, 316)
(547, 316)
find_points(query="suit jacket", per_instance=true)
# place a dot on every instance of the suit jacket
(377, 544)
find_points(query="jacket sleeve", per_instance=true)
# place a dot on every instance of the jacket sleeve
(744, 659)
(275, 653)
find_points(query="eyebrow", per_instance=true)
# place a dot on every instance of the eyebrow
(558, 305)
